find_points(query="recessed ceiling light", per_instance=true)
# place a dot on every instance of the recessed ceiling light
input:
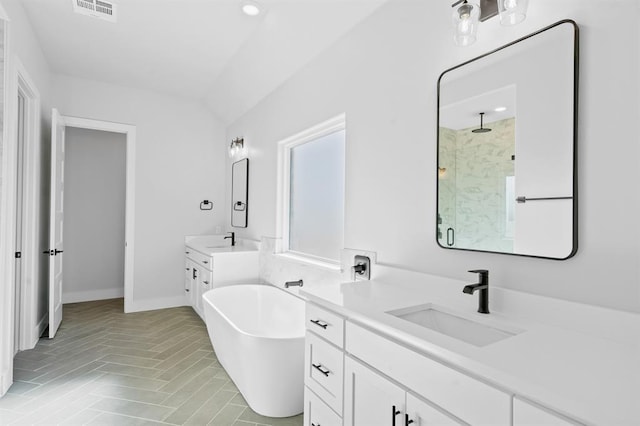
(500, 109)
(250, 8)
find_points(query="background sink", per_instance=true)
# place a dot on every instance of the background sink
(453, 325)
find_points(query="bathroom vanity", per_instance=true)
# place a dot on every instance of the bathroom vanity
(211, 261)
(380, 354)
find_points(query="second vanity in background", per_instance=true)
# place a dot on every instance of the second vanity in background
(211, 261)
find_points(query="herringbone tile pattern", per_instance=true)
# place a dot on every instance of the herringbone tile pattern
(105, 367)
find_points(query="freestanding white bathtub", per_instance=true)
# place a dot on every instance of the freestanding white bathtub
(257, 332)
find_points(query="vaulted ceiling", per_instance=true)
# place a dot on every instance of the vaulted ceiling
(200, 49)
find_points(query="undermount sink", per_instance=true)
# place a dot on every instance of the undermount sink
(453, 325)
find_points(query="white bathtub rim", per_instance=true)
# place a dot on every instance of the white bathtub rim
(253, 335)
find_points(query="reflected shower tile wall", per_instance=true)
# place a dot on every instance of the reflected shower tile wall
(446, 182)
(483, 161)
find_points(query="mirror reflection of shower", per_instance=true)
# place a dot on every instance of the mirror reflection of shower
(482, 129)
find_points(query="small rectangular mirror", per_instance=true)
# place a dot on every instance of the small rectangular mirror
(239, 193)
(506, 148)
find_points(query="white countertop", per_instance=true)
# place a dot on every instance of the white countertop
(588, 378)
(217, 244)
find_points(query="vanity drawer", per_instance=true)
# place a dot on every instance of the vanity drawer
(442, 385)
(201, 259)
(324, 366)
(317, 413)
(326, 324)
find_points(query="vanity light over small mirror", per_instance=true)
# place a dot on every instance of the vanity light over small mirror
(506, 168)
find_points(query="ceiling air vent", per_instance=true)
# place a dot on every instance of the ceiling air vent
(96, 8)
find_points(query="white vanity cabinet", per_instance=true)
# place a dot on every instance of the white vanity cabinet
(198, 277)
(324, 367)
(371, 399)
(209, 267)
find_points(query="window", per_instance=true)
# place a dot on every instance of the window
(312, 169)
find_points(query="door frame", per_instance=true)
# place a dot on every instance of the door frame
(129, 234)
(30, 326)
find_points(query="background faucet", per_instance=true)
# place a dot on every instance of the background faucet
(233, 238)
(483, 287)
(293, 284)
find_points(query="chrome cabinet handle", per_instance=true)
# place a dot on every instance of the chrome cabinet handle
(321, 369)
(206, 282)
(315, 424)
(320, 323)
(205, 261)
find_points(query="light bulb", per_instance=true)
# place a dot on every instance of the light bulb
(465, 23)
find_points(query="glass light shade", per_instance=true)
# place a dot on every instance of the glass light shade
(237, 148)
(465, 23)
(512, 12)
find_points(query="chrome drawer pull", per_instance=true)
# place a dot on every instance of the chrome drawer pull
(206, 282)
(320, 323)
(321, 369)
(205, 261)
(315, 424)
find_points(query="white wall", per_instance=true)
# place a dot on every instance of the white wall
(383, 74)
(94, 200)
(180, 161)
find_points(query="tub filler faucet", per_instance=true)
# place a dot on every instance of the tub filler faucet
(483, 287)
(293, 284)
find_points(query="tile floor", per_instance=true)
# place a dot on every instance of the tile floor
(105, 367)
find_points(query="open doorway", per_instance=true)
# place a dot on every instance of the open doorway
(94, 215)
(60, 124)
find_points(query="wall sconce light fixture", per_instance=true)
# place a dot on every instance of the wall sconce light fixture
(467, 15)
(237, 148)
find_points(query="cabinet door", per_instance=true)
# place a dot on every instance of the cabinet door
(189, 286)
(370, 399)
(525, 414)
(317, 413)
(419, 413)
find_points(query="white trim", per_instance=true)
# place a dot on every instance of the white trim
(130, 132)
(160, 303)
(6, 228)
(89, 295)
(29, 332)
(332, 125)
(40, 327)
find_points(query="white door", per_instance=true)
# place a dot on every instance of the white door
(56, 220)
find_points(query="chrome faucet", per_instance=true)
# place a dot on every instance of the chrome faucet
(233, 238)
(483, 286)
(293, 284)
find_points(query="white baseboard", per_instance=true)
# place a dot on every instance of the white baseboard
(6, 380)
(153, 304)
(87, 296)
(37, 332)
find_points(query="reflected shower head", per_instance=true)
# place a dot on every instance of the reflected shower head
(481, 129)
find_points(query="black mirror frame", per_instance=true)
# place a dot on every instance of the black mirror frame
(575, 139)
(246, 208)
